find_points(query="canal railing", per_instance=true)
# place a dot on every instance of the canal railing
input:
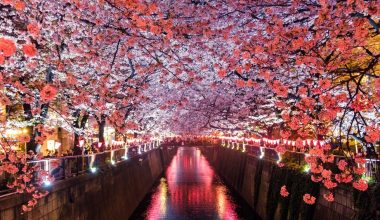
(269, 153)
(71, 166)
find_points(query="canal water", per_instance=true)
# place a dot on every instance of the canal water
(190, 189)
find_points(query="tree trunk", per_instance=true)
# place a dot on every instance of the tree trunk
(80, 123)
(101, 125)
(76, 114)
(31, 145)
(101, 131)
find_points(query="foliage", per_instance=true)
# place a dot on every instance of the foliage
(308, 67)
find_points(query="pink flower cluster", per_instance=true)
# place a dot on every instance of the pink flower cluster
(329, 197)
(342, 164)
(361, 185)
(280, 149)
(284, 192)
(48, 93)
(329, 184)
(309, 199)
(316, 178)
(343, 178)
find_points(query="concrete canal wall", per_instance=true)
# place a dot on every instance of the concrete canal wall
(113, 192)
(258, 181)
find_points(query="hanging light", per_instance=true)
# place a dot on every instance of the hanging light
(308, 141)
(322, 143)
(315, 142)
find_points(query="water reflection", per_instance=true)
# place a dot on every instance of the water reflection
(191, 190)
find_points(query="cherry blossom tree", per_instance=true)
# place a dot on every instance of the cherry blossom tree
(309, 68)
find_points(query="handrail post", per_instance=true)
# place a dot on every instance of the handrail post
(77, 159)
(64, 168)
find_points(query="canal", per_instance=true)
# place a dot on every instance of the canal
(190, 189)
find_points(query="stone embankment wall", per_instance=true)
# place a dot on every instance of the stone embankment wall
(113, 192)
(258, 182)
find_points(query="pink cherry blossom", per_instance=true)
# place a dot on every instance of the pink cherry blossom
(309, 199)
(48, 93)
(284, 192)
(360, 184)
(328, 197)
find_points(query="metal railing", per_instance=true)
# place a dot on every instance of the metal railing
(70, 166)
(372, 165)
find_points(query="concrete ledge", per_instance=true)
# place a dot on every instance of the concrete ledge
(112, 193)
(250, 177)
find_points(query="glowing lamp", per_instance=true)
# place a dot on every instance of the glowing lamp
(47, 182)
(262, 151)
(50, 145)
(366, 178)
(93, 169)
(139, 150)
(125, 157)
(306, 168)
(279, 158)
(57, 145)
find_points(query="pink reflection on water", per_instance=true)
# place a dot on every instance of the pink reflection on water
(191, 191)
(158, 207)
